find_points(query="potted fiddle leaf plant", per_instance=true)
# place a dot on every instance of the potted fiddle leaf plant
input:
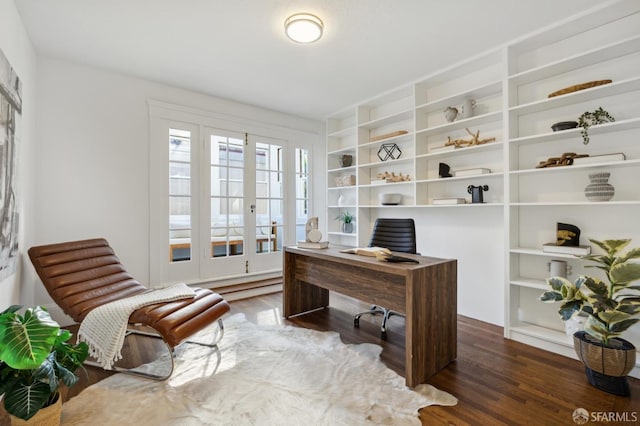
(347, 221)
(611, 306)
(591, 118)
(35, 361)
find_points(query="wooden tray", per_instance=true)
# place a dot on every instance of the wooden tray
(577, 87)
(387, 136)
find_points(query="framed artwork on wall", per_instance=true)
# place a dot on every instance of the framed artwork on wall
(10, 109)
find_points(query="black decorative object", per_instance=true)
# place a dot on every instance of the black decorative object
(389, 150)
(477, 193)
(567, 235)
(564, 125)
(345, 160)
(443, 170)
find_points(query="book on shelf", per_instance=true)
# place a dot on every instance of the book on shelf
(472, 172)
(447, 201)
(574, 250)
(313, 245)
(595, 159)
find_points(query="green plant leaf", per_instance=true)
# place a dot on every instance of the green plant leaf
(597, 329)
(596, 286)
(556, 283)
(27, 340)
(25, 401)
(567, 310)
(550, 296)
(624, 273)
(622, 326)
(631, 254)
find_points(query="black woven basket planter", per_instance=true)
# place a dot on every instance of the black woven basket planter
(606, 366)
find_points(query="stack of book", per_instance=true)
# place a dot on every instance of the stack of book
(471, 172)
(574, 250)
(447, 201)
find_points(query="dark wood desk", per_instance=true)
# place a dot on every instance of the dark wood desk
(426, 293)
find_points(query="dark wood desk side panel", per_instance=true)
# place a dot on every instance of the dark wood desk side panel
(368, 285)
(432, 328)
(300, 296)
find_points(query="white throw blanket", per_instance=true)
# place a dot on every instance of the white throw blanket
(105, 327)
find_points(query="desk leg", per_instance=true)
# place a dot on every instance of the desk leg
(431, 324)
(299, 296)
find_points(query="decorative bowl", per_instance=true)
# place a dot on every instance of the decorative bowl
(390, 199)
(564, 125)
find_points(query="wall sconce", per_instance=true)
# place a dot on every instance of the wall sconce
(303, 27)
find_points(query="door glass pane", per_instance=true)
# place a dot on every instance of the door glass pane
(269, 210)
(227, 196)
(302, 192)
(179, 195)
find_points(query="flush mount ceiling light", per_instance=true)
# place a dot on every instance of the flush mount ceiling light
(303, 27)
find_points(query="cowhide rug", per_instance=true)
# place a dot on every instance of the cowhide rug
(261, 375)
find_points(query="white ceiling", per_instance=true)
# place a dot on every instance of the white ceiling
(237, 49)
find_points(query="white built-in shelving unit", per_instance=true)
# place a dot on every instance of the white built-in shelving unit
(510, 86)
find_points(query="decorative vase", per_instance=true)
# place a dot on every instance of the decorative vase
(48, 416)
(450, 114)
(606, 366)
(347, 228)
(467, 108)
(345, 160)
(599, 189)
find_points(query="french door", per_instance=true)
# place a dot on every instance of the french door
(232, 199)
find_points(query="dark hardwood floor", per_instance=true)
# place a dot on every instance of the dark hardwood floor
(497, 381)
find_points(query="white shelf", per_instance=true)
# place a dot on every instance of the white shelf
(553, 336)
(459, 178)
(616, 126)
(461, 124)
(493, 88)
(564, 169)
(389, 119)
(338, 188)
(342, 169)
(490, 146)
(539, 252)
(530, 283)
(611, 89)
(576, 203)
(348, 131)
(584, 47)
(402, 160)
(406, 138)
(580, 60)
(345, 206)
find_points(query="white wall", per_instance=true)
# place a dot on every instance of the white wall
(92, 159)
(17, 47)
(473, 236)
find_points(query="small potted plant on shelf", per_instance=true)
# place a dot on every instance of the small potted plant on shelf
(611, 308)
(591, 118)
(35, 361)
(347, 221)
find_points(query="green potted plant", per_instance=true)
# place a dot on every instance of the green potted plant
(35, 360)
(611, 307)
(591, 118)
(347, 221)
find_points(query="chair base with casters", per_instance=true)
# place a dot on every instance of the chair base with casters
(375, 310)
(82, 275)
(397, 235)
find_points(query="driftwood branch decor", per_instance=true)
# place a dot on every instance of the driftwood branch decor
(475, 140)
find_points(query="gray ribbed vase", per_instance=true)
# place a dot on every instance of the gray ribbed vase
(599, 189)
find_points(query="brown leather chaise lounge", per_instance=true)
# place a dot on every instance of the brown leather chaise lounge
(81, 275)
